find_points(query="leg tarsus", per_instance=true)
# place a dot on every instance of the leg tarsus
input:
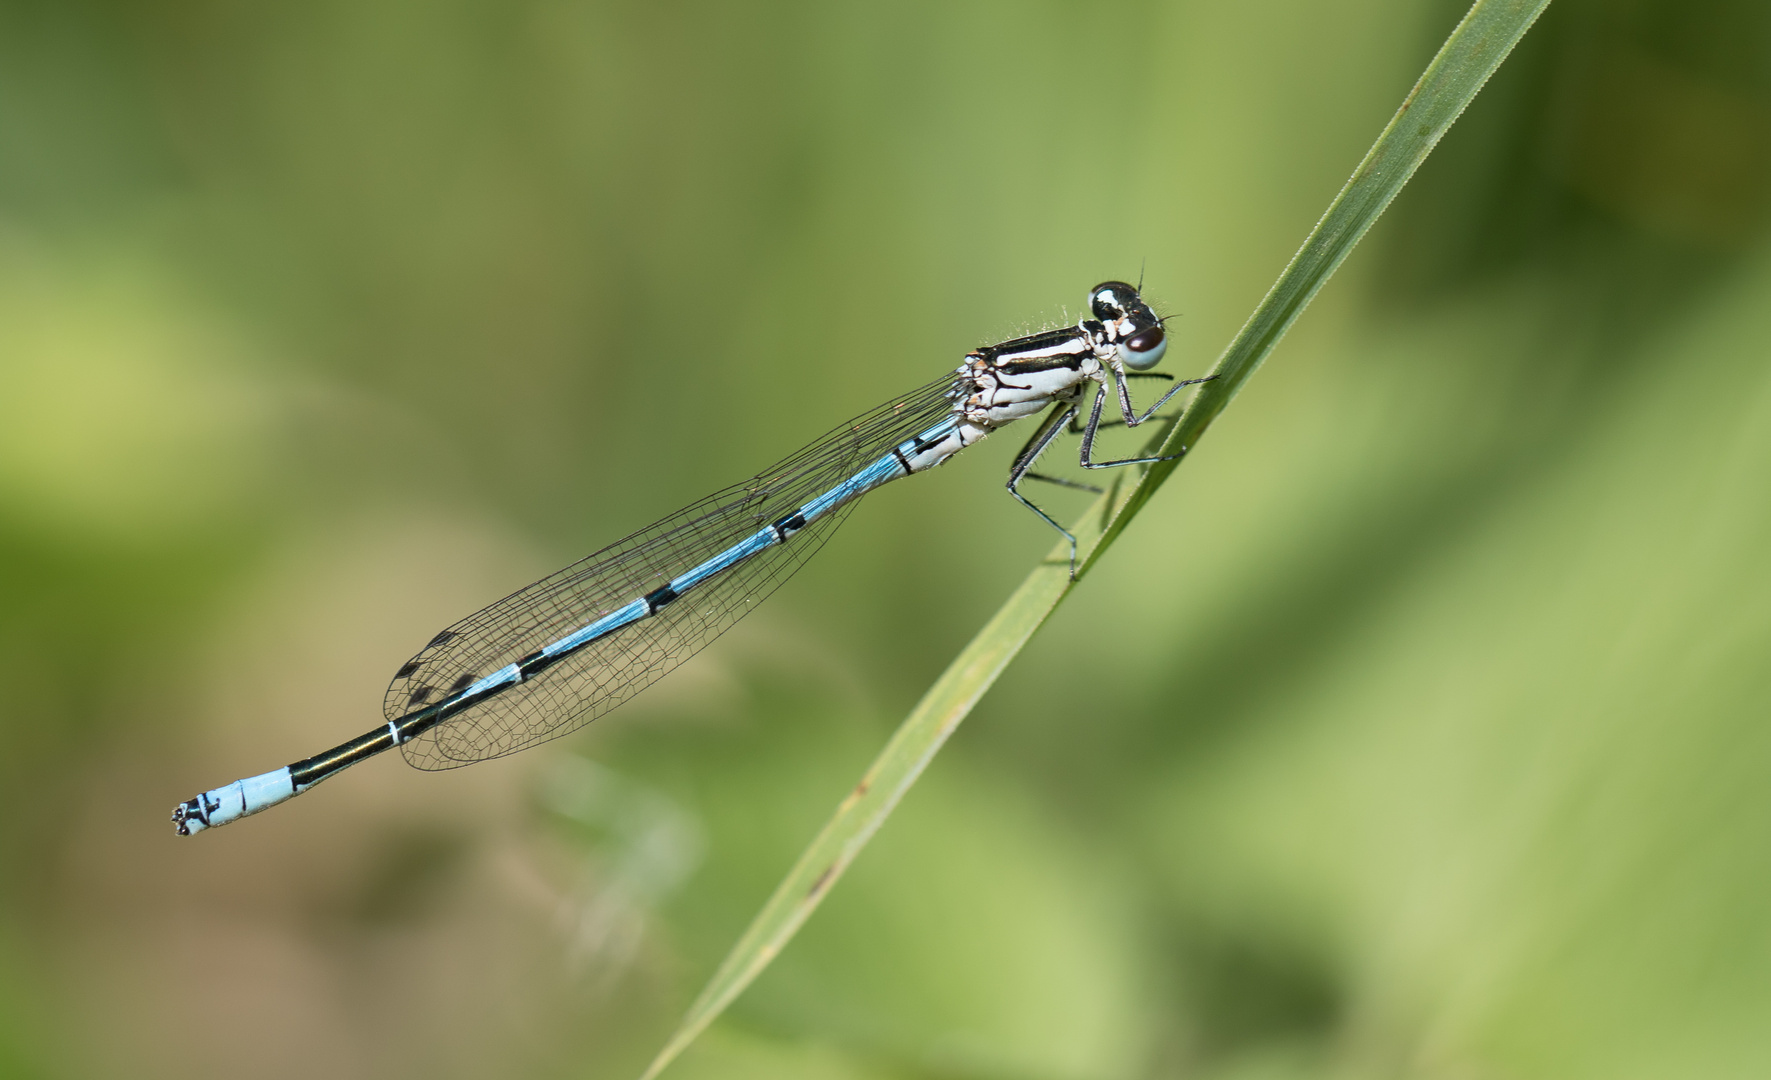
(1047, 518)
(1132, 419)
(1062, 482)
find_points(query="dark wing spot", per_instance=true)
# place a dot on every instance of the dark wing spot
(466, 679)
(406, 669)
(420, 695)
(443, 638)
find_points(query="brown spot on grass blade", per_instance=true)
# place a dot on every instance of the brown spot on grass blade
(856, 795)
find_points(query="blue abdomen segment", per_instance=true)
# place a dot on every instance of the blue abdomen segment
(608, 624)
(753, 544)
(887, 468)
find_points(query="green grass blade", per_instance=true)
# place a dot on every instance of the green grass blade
(1470, 55)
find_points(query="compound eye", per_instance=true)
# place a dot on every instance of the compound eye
(1143, 350)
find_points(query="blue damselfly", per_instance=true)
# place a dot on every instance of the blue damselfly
(553, 657)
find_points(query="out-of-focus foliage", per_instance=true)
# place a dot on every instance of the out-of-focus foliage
(1416, 729)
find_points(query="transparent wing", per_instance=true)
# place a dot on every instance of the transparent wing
(608, 672)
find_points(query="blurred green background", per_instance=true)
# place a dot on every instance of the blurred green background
(1418, 729)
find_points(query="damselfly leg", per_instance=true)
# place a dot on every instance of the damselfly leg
(1132, 419)
(1049, 429)
(1062, 420)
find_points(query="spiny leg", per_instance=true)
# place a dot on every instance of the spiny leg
(1088, 440)
(1062, 481)
(1049, 429)
(1125, 398)
(1131, 420)
(1075, 421)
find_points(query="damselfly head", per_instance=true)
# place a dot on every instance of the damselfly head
(1133, 327)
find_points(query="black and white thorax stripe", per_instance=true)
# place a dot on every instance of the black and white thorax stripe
(1000, 384)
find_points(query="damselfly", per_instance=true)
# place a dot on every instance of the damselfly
(553, 657)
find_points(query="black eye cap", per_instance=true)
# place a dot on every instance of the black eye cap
(1112, 300)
